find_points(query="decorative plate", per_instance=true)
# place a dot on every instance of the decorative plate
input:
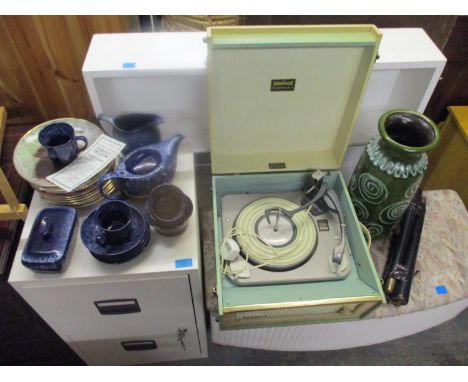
(31, 160)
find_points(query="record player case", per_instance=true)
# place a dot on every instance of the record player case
(282, 103)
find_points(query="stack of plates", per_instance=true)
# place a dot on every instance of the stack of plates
(33, 164)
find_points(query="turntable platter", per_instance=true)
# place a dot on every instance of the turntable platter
(283, 243)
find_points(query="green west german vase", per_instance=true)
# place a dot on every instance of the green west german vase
(391, 168)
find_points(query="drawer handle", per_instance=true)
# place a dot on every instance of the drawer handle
(139, 345)
(119, 306)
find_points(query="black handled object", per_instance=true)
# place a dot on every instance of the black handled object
(139, 345)
(400, 295)
(404, 244)
(395, 269)
(118, 306)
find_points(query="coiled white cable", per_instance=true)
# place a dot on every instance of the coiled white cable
(263, 253)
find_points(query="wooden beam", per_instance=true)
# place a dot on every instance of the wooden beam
(6, 213)
(13, 210)
(3, 117)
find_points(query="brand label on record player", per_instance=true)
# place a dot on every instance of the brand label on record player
(276, 166)
(283, 85)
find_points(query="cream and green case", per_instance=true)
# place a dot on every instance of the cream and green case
(283, 102)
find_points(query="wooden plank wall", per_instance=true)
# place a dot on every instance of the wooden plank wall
(40, 64)
(437, 27)
(41, 58)
(452, 90)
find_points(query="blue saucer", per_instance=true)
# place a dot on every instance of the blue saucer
(125, 256)
(121, 252)
(49, 239)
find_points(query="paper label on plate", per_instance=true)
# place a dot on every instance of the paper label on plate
(103, 151)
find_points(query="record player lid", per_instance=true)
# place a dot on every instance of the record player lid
(286, 98)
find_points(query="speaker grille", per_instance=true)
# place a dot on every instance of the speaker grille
(291, 316)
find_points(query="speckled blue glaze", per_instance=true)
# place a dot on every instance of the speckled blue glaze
(50, 237)
(120, 252)
(124, 257)
(133, 183)
(60, 141)
(135, 130)
(114, 222)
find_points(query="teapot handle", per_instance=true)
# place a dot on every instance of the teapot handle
(158, 119)
(115, 185)
(109, 120)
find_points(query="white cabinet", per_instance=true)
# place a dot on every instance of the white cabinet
(145, 311)
(168, 77)
(122, 322)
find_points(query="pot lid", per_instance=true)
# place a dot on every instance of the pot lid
(286, 98)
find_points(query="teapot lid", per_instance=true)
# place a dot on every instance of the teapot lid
(286, 98)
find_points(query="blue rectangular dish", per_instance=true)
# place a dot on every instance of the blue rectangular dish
(50, 237)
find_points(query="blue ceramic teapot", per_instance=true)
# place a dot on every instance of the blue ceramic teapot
(142, 169)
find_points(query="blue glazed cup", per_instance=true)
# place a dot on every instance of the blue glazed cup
(61, 143)
(114, 223)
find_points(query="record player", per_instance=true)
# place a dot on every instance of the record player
(283, 102)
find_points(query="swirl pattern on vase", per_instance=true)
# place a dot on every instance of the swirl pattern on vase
(374, 229)
(392, 213)
(372, 190)
(361, 210)
(412, 189)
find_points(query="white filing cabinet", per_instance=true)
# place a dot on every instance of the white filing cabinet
(147, 310)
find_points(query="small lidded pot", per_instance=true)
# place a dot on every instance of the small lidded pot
(168, 209)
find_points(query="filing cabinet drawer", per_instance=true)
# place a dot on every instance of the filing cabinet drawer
(141, 350)
(105, 310)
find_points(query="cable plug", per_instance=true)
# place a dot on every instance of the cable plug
(230, 250)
